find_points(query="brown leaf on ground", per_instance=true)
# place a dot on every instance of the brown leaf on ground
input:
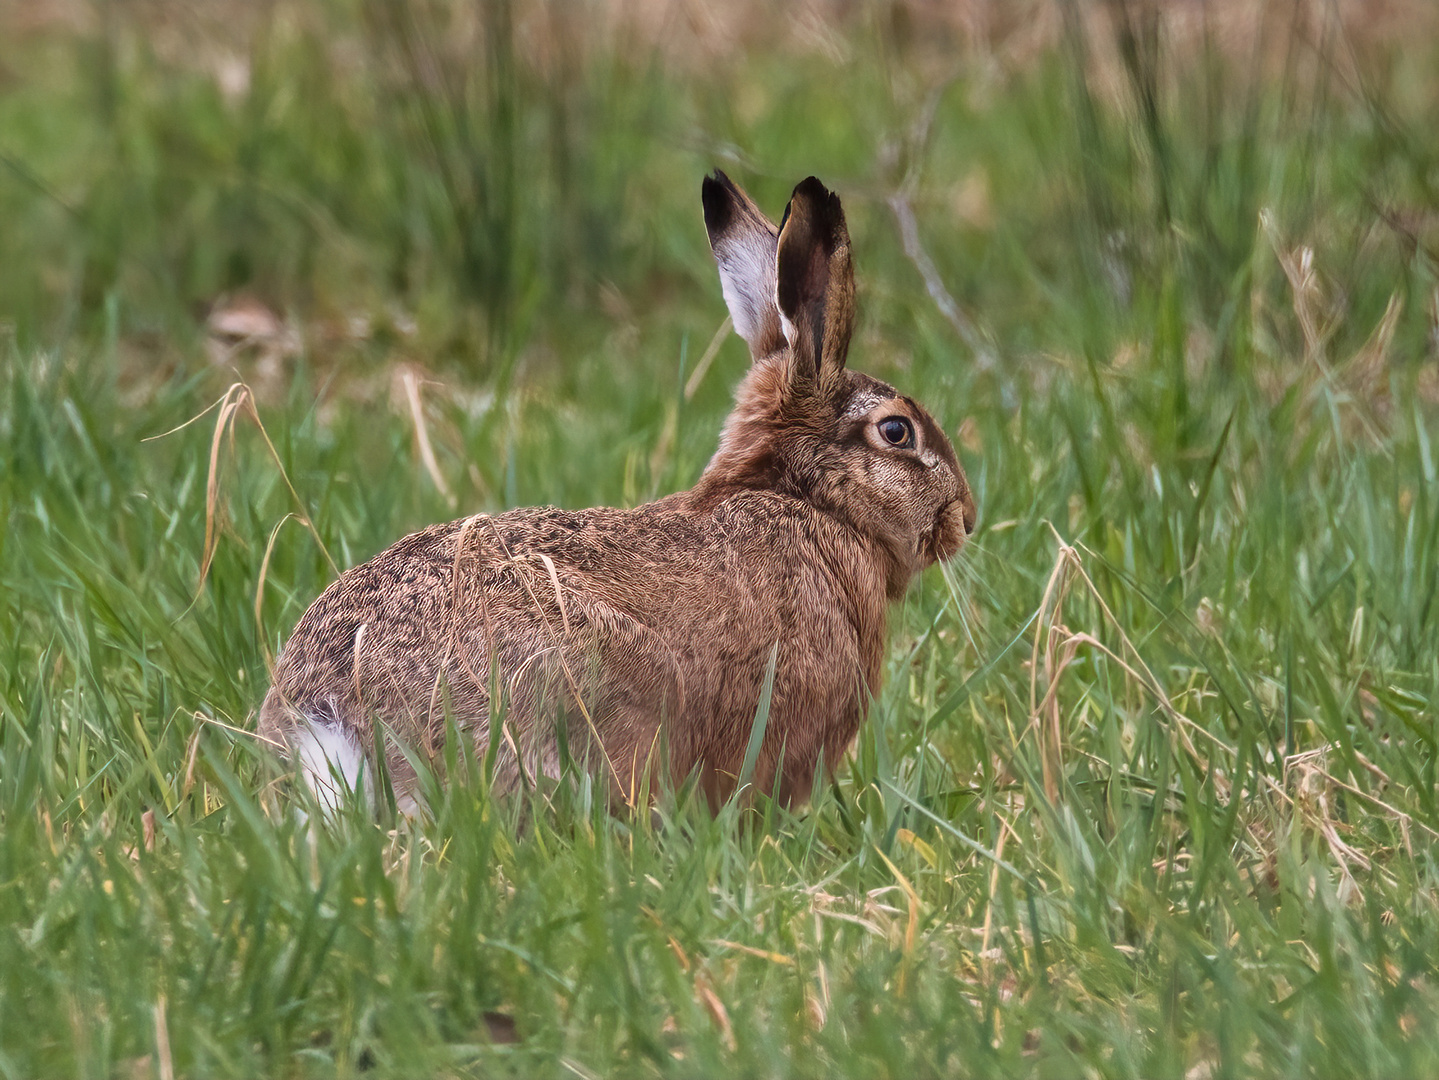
(501, 1029)
(715, 1007)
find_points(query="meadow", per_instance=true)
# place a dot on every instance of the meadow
(1150, 788)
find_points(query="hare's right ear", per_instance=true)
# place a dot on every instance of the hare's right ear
(744, 243)
(815, 290)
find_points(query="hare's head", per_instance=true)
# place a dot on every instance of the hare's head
(803, 423)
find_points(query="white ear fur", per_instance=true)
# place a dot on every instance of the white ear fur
(747, 277)
(786, 325)
(745, 243)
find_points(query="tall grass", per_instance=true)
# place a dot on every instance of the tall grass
(1150, 787)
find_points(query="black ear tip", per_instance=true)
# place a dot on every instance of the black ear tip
(714, 194)
(810, 188)
(815, 194)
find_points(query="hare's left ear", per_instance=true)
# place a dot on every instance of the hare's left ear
(743, 241)
(815, 286)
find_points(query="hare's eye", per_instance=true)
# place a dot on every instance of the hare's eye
(897, 431)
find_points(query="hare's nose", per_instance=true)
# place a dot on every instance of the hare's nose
(969, 511)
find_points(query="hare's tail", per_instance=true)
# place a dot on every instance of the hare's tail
(327, 752)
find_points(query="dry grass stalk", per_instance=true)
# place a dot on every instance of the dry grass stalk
(750, 950)
(1045, 638)
(707, 997)
(236, 399)
(410, 384)
(692, 384)
(911, 926)
(1005, 830)
(1360, 385)
(1312, 800)
(260, 593)
(164, 1061)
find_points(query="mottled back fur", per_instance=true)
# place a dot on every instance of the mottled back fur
(637, 641)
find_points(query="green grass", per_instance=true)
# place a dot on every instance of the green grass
(1150, 789)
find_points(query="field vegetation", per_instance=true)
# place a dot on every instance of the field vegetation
(1150, 789)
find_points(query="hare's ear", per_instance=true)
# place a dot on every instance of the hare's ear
(815, 285)
(743, 241)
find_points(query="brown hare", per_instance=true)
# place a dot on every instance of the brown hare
(638, 642)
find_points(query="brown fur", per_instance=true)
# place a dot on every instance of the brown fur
(633, 630)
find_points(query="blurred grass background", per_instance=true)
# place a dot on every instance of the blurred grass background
(1150, 789)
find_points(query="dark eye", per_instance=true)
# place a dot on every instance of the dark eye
(897, 431)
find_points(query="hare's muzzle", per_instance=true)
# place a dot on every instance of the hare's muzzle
(968, 511)
(952, 524)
